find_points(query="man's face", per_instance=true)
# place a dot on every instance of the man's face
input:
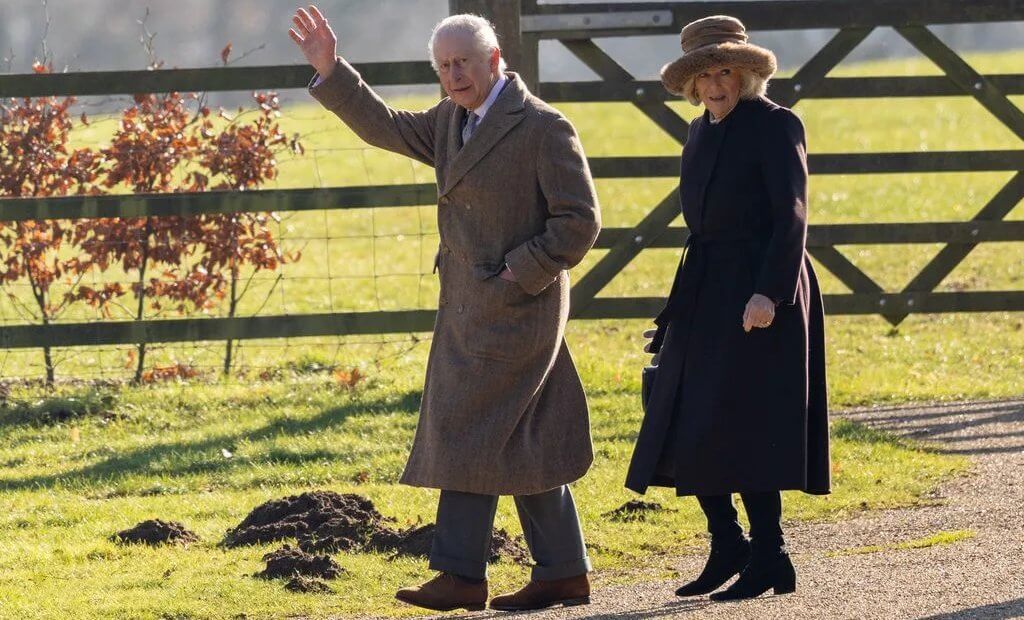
(466, 75)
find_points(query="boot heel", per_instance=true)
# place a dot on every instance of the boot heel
(785, 583)
(573, 602)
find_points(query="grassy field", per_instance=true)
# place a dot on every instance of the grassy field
(68, 486)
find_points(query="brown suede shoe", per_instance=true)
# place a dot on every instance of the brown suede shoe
(541, 594)
(445, 593)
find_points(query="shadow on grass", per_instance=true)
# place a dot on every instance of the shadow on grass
(204, 456)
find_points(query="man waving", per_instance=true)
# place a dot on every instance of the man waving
(503, 410)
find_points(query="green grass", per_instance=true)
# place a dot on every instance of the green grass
(69, 486)
(935, 540)
(132, 454)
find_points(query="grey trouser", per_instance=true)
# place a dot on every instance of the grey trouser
(551, 526)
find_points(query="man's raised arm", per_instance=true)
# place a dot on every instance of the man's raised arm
(341, 89)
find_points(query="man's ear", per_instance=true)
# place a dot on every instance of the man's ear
(495, 60)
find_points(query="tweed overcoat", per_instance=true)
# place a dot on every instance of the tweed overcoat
(731, 411)
(503, 409)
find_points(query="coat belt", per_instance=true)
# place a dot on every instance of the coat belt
(691, 266)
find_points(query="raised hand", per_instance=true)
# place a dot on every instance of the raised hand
(315, 38)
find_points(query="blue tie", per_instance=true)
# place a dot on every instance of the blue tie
(471, 123)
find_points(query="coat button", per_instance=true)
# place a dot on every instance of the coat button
(461, 308)
(443, 201)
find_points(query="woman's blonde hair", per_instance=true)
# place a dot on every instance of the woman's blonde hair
(752, 86)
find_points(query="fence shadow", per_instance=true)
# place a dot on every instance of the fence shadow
(182, 458)
(994, 611)
(984, 428)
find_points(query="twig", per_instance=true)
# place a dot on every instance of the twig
(46, 31)
(258, 48)
(146, 39)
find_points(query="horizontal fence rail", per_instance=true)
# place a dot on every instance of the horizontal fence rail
(410, 195)
(224, 79)
(213, 79)
(410, 321)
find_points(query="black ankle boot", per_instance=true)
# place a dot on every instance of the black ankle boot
(765, 572)
(725, 561)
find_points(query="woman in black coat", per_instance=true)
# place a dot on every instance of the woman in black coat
(738, 402)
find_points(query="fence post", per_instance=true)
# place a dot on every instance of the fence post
(520, 55)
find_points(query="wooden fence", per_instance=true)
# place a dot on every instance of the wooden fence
(522, 24)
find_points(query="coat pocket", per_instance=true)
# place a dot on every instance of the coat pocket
(504, 322)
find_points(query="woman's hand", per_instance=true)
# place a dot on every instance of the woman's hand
(649, 334)
(760, 312)
(315, 38)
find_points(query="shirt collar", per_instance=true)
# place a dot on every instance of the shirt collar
(491, 98)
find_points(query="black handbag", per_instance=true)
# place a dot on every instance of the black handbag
(646, 383)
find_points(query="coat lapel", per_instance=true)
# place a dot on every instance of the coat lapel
(504, 115)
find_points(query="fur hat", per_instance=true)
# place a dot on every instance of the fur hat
(713, 41)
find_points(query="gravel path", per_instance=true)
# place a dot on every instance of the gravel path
(981, 577)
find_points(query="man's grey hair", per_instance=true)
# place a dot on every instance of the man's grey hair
(752, 86)
(479, 28)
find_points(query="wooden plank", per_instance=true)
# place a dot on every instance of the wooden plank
(211, 79)
(605, 66)
(257, 201)
(795, 14)
(603, 22)
(829, 235)
(378, 74)
(824, 235)
(833, 163)
(623, 252)
(910, 86)
(932, 161)
(901, 304)
(966, 77)
(809, 77)
(186, 204)
(413, 321)
(836, 305)
(828, 88)
(199, 330)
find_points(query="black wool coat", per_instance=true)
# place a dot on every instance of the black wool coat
(732, 411)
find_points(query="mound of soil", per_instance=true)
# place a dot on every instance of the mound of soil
(635, 510)
(288, 562)
(325, 522)
(344, 533)
(155, 532)
(504, 545)
(299, 516)
(416, 541)
(307, 585)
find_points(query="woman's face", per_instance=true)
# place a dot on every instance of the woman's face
(718, 89)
